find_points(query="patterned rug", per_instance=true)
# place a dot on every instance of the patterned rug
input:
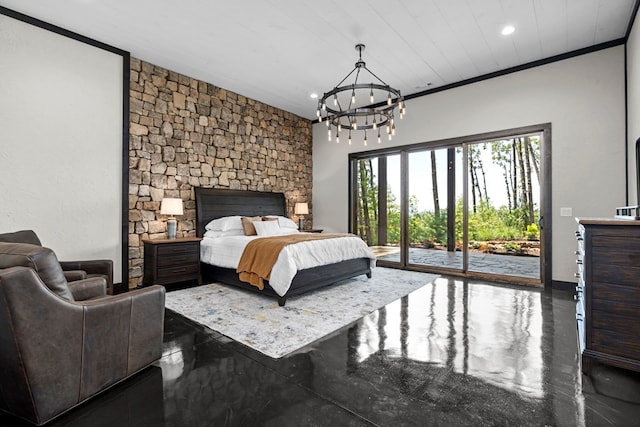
(258, 322)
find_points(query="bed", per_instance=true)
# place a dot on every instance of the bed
(214, 203)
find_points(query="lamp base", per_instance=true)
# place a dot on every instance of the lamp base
(300, 223)
(172, 227)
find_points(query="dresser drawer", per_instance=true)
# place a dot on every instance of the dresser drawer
(614, 343)
(615, 295)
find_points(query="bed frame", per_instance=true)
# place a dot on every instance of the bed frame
(212, 203)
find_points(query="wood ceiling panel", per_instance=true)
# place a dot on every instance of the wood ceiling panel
(279, 51)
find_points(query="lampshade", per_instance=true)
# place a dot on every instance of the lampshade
(171, 206)
(301, 209)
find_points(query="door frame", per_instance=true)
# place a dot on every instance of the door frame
(543, 129)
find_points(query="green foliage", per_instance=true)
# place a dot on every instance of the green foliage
(487, 223)
(517, 221)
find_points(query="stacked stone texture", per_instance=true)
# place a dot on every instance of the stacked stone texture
(186, 133)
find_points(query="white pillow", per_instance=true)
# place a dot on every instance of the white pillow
(267, 228)
(216, 233)
(284, 221)
(225, 223)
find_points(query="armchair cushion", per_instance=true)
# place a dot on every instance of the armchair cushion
(42, 260)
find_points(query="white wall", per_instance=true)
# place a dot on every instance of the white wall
(633, 105)
(61, 142)
(583, 99)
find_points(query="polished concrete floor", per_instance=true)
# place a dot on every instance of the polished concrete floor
(453, 353)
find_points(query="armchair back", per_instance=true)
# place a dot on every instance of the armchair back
(42, 260)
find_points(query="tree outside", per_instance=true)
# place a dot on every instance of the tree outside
(504, 179)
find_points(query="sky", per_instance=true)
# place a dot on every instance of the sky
(420, 182)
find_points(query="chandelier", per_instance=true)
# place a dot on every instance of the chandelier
(361, 106)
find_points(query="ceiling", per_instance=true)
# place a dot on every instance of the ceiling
(281, 51)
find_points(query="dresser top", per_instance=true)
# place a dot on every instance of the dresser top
(607, 221)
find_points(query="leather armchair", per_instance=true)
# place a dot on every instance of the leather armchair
(73, 270)
(64, 343)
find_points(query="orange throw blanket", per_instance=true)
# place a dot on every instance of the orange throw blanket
(261, 254)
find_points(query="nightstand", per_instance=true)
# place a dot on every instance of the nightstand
(168, 261)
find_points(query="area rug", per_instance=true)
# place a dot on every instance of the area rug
(258, 322)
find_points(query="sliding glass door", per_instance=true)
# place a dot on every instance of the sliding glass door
(471, 206)
(434, 186)
(377, 204)
(503, 206)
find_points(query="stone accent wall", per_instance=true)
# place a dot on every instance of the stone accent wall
(186, 133)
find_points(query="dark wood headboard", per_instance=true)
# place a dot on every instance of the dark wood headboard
(212, 203)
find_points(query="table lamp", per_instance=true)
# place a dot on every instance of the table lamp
(171, 206)
(301, 209)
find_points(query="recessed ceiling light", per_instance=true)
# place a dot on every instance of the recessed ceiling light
(508, 29)
(314, 95)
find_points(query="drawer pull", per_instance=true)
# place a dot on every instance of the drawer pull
(576, 275)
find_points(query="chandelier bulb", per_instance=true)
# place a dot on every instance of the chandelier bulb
(335, 99)
(375, 125)
(339, 126)
(365, 137)
(355, 123)
(389, 99)
(353, 96)
(371, 95)
(393, 129)
(378, 136)
(329, 135)
(337, 138)
(349, 137)
(327, 122)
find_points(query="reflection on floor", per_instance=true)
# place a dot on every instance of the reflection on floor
(508, 265)
(451, 353)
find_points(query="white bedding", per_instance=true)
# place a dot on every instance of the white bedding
(226, 252)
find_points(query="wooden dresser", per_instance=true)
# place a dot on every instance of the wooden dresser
(608, 292)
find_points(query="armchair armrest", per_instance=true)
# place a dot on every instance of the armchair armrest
(133, 321)
(103, 267)
(72, 275)
(86, 289)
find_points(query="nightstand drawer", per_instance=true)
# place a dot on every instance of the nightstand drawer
(178, 249)
(177, 272)
(180, 258)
